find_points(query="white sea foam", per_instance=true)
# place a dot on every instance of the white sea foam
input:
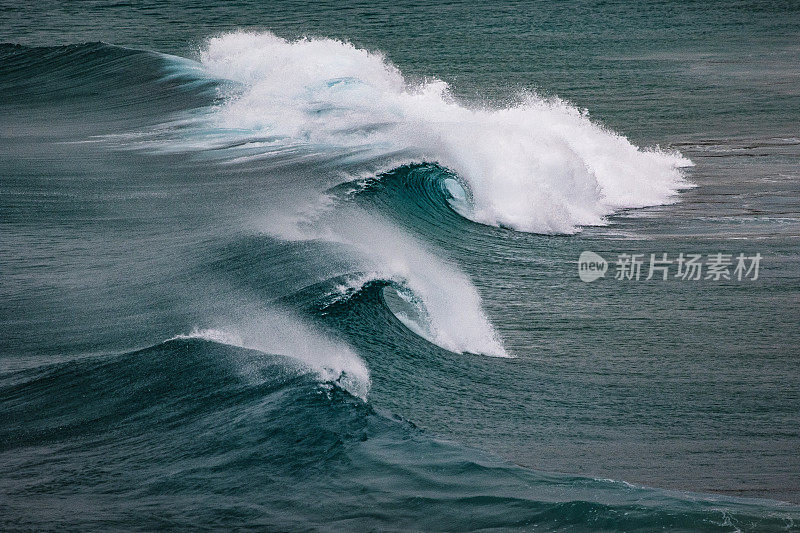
(539, 166)
(280, 332)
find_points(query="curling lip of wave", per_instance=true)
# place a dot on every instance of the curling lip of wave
(539, 166)
(451, 303)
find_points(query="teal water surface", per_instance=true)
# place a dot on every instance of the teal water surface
(251, 282)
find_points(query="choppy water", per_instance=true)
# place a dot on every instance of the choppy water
(252, 279)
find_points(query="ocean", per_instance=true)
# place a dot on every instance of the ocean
(320, 266)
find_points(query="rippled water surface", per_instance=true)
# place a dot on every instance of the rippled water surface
(306, 266)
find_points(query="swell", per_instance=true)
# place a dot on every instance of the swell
(97, 88)
(234, 436)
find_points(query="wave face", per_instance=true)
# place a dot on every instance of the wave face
(539, 166)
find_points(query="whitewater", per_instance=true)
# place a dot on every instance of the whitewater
(539, 166)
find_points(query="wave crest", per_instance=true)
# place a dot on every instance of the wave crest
(540, 165)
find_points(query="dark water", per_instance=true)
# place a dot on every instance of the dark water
(259, 282)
